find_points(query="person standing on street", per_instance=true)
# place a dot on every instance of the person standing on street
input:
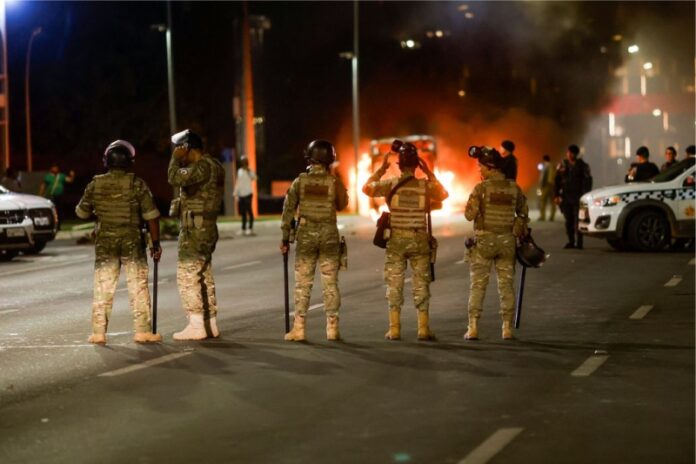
(244, 192)
(500, 214)
(53, 187)
(547, 173)
(311, 203)
(121, 202)
(200, 179)
(573, 180)
(11, 181)
(509, 161)
(644, 169)
(409, 199)
(670, 158)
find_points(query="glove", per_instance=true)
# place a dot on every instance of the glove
(156, 250)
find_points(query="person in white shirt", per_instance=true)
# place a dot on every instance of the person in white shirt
(244, 192)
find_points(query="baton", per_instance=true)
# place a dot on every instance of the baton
(154, 299)
(287, 293)
(520, 295)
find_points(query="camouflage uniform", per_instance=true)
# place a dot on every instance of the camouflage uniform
(314, 197)
(499, 211)
(120, 201)
(201, 187)
(409, 240)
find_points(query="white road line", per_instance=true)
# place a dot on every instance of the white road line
(461, 261)
(492, 446)
(590, 365)
(408, 280)
(674, 281)
(35, 347)
(693, 261)
(8, 311)
(237, 266)
(316, 306)
(42, 267)
(641, 312)
(146, 364)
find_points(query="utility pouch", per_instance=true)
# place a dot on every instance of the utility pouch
(383, 231)
(433, 250)
(343, 253)
(197, 221)
(469, 243)
(175, 207)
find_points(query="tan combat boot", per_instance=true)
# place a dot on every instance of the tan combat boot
(424, 332)
(195, 330)
(507, 330)
(297, 333)
(97, 339)
(472, 329)
(214, 331)
(394, 332)
(147, 337)
(332, 332)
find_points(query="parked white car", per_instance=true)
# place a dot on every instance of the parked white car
(27, 223)
(645, 216)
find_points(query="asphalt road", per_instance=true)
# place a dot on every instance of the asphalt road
(602, 370)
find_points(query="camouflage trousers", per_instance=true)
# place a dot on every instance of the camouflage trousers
(406, 246)
(194, 273)
(317, 243)
(113, 250)
(499, 250)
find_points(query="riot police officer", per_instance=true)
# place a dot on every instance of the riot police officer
(312, 200)
(500, 214)
(121, 202)
(200, 180)
(408, 199)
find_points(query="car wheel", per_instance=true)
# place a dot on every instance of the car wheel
(7, 255)
(618, 244)
(36, 249)
(649, 231)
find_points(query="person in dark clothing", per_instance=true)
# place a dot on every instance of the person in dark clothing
(690, 151)
(509, 166)
(573, 180)
(670, 158)
(643, 170)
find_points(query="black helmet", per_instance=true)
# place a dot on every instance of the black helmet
(528, 253)
(119, 154)
(187, 137)
(408, 155)
(486, 156)
(320, 151)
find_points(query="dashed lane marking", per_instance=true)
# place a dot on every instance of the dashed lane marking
(590, 365)
(311, 308)
(641, 312)
(492, 446)
(461, 261)
(42, 267)
(237, 266)
(674, 281)
(8, 311)
(146, 364)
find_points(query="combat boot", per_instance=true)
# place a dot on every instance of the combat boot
(424, 332)
(332, 332)
(472, 329)
(297, 333)
(507, 330)
(147, 337)
(214, 331)
(195, 330)
(394, 332)
(97, 339)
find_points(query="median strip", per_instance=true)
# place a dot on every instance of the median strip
(237, 266)
(674, 281)
(146, 364)
(641, 312)
(492, 446)
(590, 365)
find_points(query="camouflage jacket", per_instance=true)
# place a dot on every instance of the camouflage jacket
(497, 205)
(201, 185)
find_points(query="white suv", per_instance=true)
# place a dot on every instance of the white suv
(643, 215)
(27, 222)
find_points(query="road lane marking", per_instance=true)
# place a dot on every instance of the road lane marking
(492, 446)
(590, 365)
(237, 266)
(42, 267)
(315, 306)
(146, 364)
(641, 312)
(674, 281)
(461, 261)
(8, 311)
(408, 280)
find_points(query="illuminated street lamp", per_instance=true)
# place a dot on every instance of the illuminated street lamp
(27, 106)
(633, 49)
(647, 66)
(167, 29)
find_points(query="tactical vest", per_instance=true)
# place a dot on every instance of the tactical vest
(115, 202)
(318, 198)
(408, 206)
(205, 199)
(498, 206)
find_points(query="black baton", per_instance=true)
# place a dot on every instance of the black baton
(287, 293)
(520, 295)
(154, 298)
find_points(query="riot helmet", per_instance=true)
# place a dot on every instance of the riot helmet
(528, 252)
(187, 137)
(119, 154)
(408, 155)
(486, 156)
(320, 151)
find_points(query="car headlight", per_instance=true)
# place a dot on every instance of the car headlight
(606, 201)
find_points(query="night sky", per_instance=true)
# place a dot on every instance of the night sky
(99, 73)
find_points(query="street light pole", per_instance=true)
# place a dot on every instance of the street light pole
(356, 107)
(27, 106)
(170, 71)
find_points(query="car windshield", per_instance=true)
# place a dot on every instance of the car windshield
(674, 171)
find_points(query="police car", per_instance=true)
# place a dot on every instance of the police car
(27, 223)
(644, 216)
